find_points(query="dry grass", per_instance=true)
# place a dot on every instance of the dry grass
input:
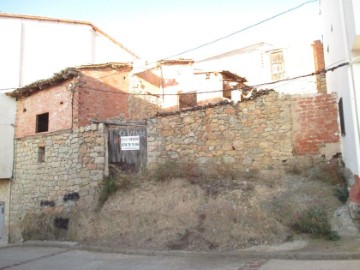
(208, 207)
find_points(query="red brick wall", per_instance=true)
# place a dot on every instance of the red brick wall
(101, 94)
(314, 123)
(56, 101)
(319, 65)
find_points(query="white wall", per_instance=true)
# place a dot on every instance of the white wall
(255, 66)
(7, 122)
(339, 35)
(31, 50)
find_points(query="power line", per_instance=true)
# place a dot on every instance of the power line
(243, 29)
(219, 39)
(229, 35)
(324, 71)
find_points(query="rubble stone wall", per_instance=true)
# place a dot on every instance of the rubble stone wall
(259, 133)
(69, 175)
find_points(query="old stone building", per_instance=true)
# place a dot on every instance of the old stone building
(65, 124)
(58, 151)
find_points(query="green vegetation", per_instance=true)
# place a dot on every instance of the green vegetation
(315, 222)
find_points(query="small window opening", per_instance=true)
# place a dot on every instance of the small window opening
(42, 122)
(187, 100)
(341, 116)
(41, 154)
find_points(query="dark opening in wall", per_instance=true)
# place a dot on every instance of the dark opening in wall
(341, 116)
(61, 223)
(42, 122)
(41, 154)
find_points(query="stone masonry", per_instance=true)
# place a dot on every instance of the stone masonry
(256, 133)
(67, 176)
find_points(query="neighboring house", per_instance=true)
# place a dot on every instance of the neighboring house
(178, 85)
(35, 47)
(263, 63)
(341, 37)
(58, 149)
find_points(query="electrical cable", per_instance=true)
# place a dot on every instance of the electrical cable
(242, 30)
(324, 71)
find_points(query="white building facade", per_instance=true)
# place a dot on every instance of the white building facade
(341, 39)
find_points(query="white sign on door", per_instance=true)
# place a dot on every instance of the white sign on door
(130, 143)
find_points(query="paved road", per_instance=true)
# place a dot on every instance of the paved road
(29, 258)
(37, 258)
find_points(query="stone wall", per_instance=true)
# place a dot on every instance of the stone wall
(67, 176)
(5, 198)
(249, 134)
(256, 133)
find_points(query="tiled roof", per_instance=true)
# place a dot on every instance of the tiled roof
(60, 77)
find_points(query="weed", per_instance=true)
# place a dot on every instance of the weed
(342, 193)
(315, 222)
(294, 169)
(172, 169)
(331, 173)
(109, 187)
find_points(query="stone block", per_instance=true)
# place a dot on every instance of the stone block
(99, 160)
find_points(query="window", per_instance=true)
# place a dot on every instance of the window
(42, 122)
(41, 154)
(277, 65)
(341, 116)
(187, 100)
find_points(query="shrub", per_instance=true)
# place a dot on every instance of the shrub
(109, 187)
(314, 221)
(342, 193)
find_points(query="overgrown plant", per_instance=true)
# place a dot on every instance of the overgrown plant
(342, 193)
(315, 222)
(110, 186)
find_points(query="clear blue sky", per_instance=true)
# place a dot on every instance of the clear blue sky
(160, 28)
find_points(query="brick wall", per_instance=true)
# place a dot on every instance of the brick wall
(261, 133)
(55, 100)
(315, 123)
(99, 94)
(102, 94)
(319, 61)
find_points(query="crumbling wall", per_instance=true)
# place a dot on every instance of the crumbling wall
(67, 176)
(252, 134)
(267, 131)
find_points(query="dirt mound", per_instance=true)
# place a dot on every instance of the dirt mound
(202, 213)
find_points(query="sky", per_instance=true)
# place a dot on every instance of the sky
(158, 29)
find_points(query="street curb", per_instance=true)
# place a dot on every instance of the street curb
(293, 255)
(284, 255)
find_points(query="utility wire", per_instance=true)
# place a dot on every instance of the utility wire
(324, 71)
(243, 29)
(218, 39)
(229, 35)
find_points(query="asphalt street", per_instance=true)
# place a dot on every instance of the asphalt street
(56, 258)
